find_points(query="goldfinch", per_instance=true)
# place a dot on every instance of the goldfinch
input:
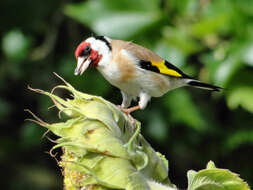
(135, 70)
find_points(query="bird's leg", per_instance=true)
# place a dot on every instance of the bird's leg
(129, 110)
(144, 98)
(126, 100)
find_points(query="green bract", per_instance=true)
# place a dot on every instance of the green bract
(103, 147)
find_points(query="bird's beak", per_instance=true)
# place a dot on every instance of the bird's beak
(82, 64)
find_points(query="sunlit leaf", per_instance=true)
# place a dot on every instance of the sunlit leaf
(241, 96)
(170, 53)
(211, 64)
(210, 165)
(215, 179)
(226, 70)
(209, 25)
(248, 54)
(180, 39)
(118, 23)
(124, 25)
(191, 175)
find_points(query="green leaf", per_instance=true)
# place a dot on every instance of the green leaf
(184, 8)
(226, 70)
(209, 25)
(191, 175)
(137, 182)
(215, 179)
(229, 67)
(124, 25)
(128, 5)
(105, 18)
(214, 18)
(246, 6)
(212, 63)
(238, 138)
(210, 165)
(181, 39)
(248, 54)
(170, 53)
(241, 96)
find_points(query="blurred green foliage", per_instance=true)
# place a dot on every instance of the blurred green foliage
(209, 39)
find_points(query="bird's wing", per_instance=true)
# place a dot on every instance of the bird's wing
(149, 60)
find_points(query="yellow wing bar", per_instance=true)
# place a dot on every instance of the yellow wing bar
(167, 68)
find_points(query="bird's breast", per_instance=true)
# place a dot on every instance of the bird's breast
(122, 75)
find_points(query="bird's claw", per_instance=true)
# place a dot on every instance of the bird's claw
(127, 111)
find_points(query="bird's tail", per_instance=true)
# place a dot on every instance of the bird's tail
(198, 84)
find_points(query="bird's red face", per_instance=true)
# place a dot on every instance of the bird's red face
(85, 56)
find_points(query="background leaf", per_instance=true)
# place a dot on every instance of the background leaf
(123, 21)
(215, 178)
(241, 96)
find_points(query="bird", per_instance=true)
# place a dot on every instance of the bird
(135, 70)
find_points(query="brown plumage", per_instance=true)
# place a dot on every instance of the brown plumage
(136, 50)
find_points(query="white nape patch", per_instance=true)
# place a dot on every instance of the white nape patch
(102, 49)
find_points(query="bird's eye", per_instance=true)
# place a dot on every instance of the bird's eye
(86, 51)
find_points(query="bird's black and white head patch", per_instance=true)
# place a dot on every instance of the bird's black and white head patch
(101, 44)
(105, 40)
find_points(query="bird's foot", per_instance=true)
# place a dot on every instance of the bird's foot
(127, 111)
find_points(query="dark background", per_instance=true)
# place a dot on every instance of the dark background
(211, 40)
